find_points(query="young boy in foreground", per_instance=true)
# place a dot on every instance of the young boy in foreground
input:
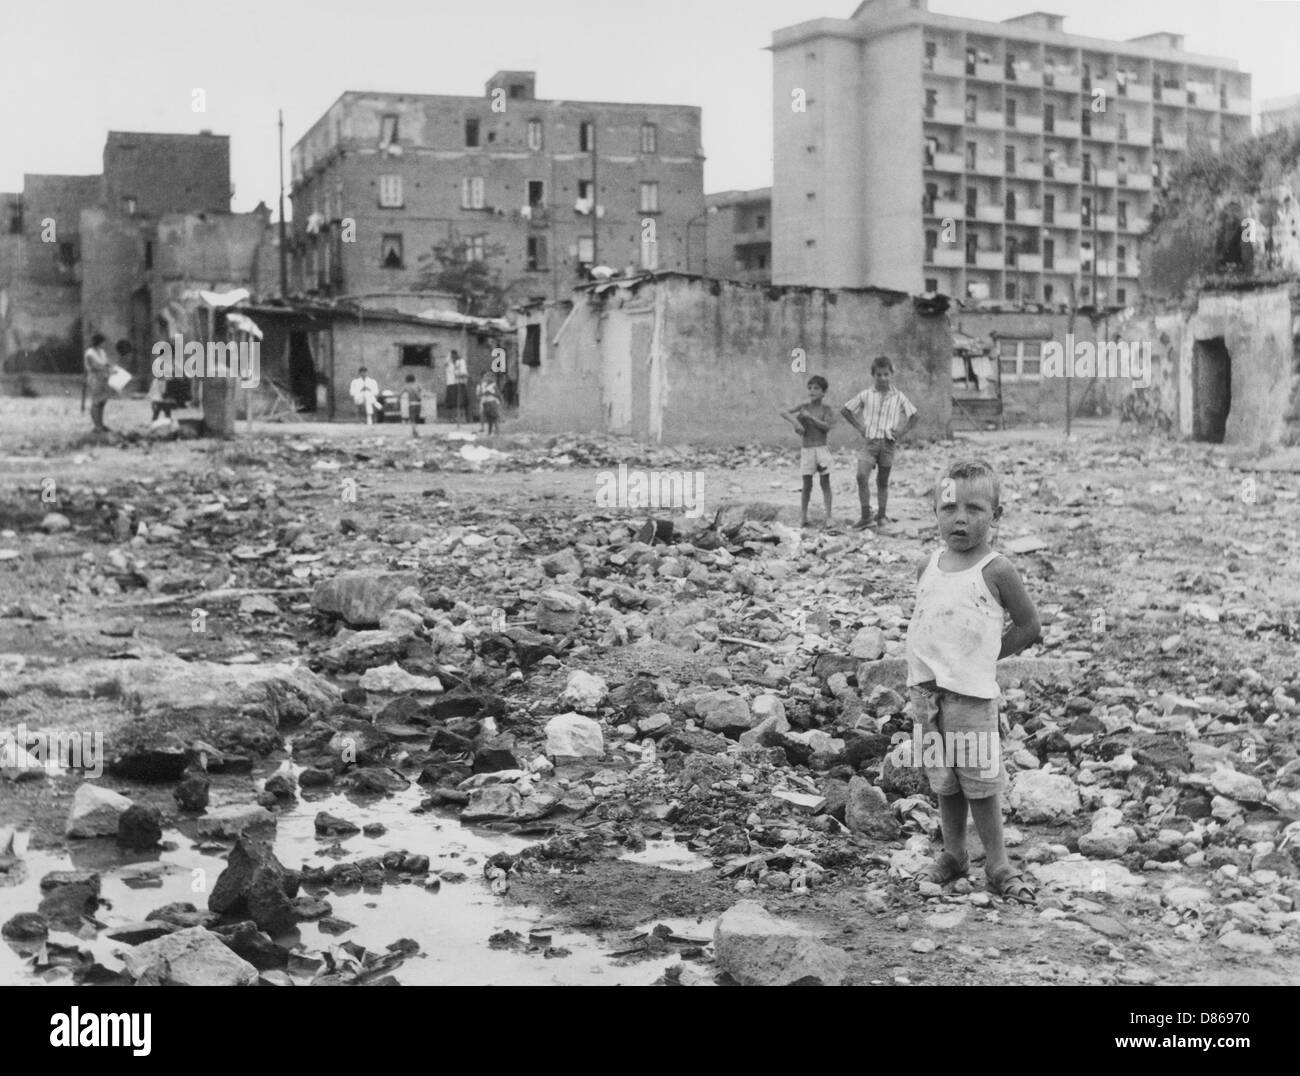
(954, 642)
(812, 420)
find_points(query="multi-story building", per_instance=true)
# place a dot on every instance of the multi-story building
(1009, 160)
(740, 236)
(541, 190)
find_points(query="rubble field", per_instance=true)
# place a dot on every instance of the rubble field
(374, 709)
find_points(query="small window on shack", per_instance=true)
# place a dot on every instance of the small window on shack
(532, 345)
(417, 354)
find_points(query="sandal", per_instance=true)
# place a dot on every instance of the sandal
(945, 868)
(1011, 884)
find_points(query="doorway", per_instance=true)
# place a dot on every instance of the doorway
(302, 372)
(1211, 390)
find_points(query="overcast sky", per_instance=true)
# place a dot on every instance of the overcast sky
(73, 69)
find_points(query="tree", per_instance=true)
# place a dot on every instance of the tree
(453, 266)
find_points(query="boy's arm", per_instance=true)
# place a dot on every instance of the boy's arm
(852, 420)
(820, 424)
(1005, 583)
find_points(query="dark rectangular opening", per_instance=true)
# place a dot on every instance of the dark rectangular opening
(1211, 390)
(532, 345)
(471, 133)
(417, 355)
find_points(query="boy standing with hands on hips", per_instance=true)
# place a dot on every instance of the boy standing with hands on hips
(876, 414)
(954, 643)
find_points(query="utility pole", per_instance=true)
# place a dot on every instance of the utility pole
(284, 253)
(1069, 359)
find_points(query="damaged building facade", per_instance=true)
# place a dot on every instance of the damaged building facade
(668, 357)
(542, 190)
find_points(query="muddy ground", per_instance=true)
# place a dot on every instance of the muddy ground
(1167, 576)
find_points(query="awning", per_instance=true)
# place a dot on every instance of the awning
(225, 298)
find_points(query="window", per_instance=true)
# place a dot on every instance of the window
(1011, 112)
(762, 261)
(1010, 292)
(1121, 296)
(649, 254)
(931, 99)
(1010, 154)
(517, 90)
(387, 130)
(1021, 360)
(148, 254)
(67, 254)
(532, 355)
(1049, 118)
(537, 259)
(649, 138)
(471, 133)
(970, 108)
(390, 252)
(1048, 292)
(970, 156)
(1049, 209)
(416, 354)
(1049, 254)
(586, 249)
(1085, 212)
(471, 193)
(1121, 214)
(971, 202)
(390, 191)
(586, 136)
(1087, 168)
(16, 218)
(476, 248)
(931, 284)
(536, 192)
(534, 134)
(650, 197)
(760, 222)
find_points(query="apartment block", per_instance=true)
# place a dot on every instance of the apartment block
(740, 236)
(542, 190)
(1008, 161)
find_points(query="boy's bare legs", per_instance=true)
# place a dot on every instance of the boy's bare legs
(882, 492)
(803, 502)
(987, 813)
(864, 487)
(826, 496)
(952, 820)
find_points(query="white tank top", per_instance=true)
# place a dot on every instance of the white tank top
(956, 631)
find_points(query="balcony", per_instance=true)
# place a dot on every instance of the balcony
(990, 166)
(1136, 225)
(1027, 215)
(1239, 106)
(954, 117)
(1065, 173)
(1066, 218)
(987, 117)
(1028, 170)
(1169, 96)
(1029, 263)
(946, 257)
(1064, 265)
(1027, 124)
(990, 214)
(947, 66)
(986, 72)
(948, 208)
(1135, 136)
(1065, 129)
(1137, 91)
(989, 259)
(1139, 181)
(1206, 99)
(948, 162)
(1107, 177)
(1102, 132)
(1063, 79)
(1128, 269)
(1107, 85)
(1107, 222)
(1172, 140)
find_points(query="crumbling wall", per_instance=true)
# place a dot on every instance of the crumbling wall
(1153, 408)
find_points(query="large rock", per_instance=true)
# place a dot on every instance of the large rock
(868, 644)
(724, 712)
(560, 612)
(360, 598)
(584, 692)
(140, 827)
(193, 957)
(1040, 796)
(888, 672)
(160, 758)
(96, 811)
(1238, 786)
(366, 649)
(234, 819)
(394, 680)
(257, 886)
(492, 801)
(868, 812)
(757, 949)
(168, 686)
(65, 906)
(574, 736)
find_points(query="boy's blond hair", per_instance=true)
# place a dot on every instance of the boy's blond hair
(971, 471)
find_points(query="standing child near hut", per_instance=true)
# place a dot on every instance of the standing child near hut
(812, 420)
(489, 403)
(410, 404)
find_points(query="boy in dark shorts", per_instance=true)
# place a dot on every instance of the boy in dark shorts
(954, 642)
(876, 414)
(812, 420)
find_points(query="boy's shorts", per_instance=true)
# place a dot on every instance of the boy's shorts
(490, 410)
(966, 730)
(815, 461)
(878, 452)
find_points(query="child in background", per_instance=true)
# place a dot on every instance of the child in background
(954, 642)
(882, 408)
(489, 403)
(410, 404)
(812, 420)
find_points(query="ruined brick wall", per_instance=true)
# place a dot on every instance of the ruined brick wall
(167, 173)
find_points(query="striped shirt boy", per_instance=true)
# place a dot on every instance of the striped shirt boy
(881, 413)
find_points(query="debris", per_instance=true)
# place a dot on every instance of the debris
(757, 949)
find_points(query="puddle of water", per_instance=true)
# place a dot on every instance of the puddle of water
(452, 926)
(669, 856)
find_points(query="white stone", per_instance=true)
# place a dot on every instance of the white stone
(95, 811)
(1039, 796)
(757, 949)
(394, 680)
(584, 692)
(1237, 786)
(233, 819)
(191, 957)
(572, 735)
